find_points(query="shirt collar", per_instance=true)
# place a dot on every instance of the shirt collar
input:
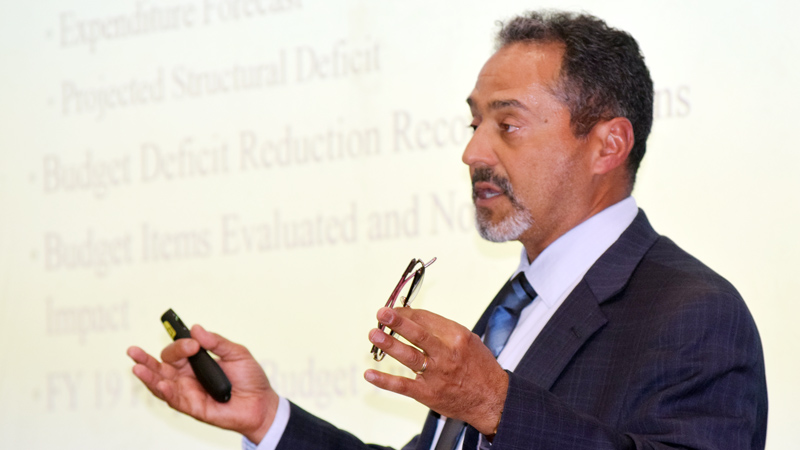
(564, 262)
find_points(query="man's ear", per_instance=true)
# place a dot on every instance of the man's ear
(615, 139)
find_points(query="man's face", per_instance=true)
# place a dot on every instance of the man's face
(532, 177)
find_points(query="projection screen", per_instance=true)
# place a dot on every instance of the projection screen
(267, 168)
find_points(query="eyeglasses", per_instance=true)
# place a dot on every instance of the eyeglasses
(415, 275)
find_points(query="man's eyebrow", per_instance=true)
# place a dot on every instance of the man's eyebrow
(500, 104)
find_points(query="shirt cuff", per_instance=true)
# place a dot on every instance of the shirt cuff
(273, 436)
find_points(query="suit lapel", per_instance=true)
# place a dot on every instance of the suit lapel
(580, 316)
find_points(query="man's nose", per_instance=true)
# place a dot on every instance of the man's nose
(479, 151)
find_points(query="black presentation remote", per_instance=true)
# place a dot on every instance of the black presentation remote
(206, 369)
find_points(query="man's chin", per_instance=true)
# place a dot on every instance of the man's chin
(508, 229)
(493, 235)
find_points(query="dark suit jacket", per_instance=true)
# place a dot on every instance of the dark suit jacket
(652, 349)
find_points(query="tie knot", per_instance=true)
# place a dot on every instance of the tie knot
(520, 294)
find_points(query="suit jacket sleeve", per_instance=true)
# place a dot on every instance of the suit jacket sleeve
(306, 431)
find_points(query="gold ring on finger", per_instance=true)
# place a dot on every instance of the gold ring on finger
(424, 366)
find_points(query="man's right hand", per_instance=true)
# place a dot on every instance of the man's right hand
(253, 403)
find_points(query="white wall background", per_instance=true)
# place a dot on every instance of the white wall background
(173, 194)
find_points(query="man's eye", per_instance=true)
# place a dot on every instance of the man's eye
(508, 128)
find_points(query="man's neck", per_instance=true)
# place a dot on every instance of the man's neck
(535, 245)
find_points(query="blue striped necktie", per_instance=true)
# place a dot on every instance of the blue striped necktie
(515, 295)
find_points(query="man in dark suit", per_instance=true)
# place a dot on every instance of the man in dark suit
(624, 340)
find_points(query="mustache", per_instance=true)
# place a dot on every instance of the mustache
(487, 174)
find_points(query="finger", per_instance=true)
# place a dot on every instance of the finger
(164, 380)
(167, 385)
(405, 354)
(147, 370)
(423, 318)
(150, 379)
(142, 357)
(414, 325)
(392, 383)
(218, 345)
(166, 391)
(177, 352)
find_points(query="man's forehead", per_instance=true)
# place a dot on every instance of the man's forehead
(516, 71)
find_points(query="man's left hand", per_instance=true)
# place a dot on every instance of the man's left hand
(461, 378)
